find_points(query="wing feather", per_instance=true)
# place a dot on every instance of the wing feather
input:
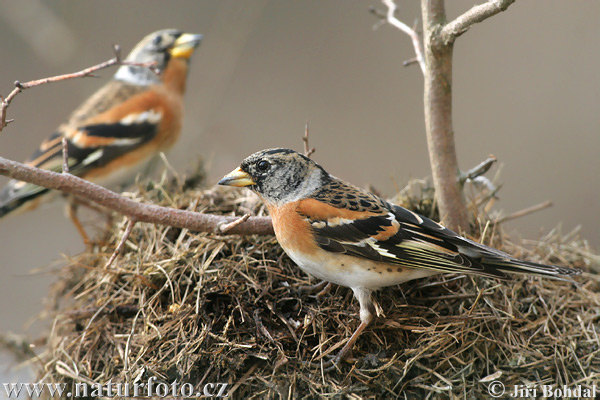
(389, 233)
(90, 144)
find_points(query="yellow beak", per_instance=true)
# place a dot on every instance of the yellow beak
(185, 45)
(238, 178)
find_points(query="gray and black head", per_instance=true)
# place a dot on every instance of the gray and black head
(278, 175)
(158, 47)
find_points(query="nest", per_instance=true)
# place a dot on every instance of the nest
(201, 308)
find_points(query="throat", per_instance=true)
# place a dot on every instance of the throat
(175, 75)
(135, 75)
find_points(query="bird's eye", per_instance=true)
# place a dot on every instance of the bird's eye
(157, 40)
(263, 165)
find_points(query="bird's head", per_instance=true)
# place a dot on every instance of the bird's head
(278, 175)
(159, 48)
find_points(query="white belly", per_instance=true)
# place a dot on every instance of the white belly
(356, 272)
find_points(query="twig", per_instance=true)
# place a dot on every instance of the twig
(87, 72)
(524, 212)
(411, 32)
(307, 150)
(410, 61)
(81, 188)
(226, 227)
(475, 174)
(379, 14)
(481, 168)
(476, 14)
(121, 245)
(65, 154)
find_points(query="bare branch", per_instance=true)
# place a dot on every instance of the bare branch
(87, 72)
(224, 228)
(121, 245)
(410, 61)
(479, 169)
(478, 13)
(438, 119)
(307, 150)
(65, 154)
(411, 32)
(81, 188)
(524, 212)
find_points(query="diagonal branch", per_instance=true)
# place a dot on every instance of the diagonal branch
(19, 87)
(411, 32)
(141, 212)
(478, 13)
(121, 245)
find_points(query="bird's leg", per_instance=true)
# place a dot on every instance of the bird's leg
(72, 213)
(367, 312)
(72, 207)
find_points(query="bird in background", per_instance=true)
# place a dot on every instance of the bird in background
(342, 234)
(119, 130)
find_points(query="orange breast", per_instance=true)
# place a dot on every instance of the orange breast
(292, 230)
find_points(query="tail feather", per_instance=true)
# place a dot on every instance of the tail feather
(516, 266)
(19, 196)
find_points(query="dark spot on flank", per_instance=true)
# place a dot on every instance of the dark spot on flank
(399, 269)
(342, 265)
(380, 272)
(389, 270)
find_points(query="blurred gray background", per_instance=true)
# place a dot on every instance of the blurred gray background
(526, 88)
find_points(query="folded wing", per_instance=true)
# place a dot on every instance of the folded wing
(396, 235)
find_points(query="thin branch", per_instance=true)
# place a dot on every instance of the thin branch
(141, 212)
(224, 228)
(524, 212)
(482, 168)
(478, 170)
(411, 32)
(65, 154)
(87, 72)
(307, 150)
(410, 61)
(476, 14)
(121, 245)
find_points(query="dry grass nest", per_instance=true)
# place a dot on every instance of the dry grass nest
(202, 308)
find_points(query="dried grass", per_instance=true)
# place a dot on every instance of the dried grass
(200, 308)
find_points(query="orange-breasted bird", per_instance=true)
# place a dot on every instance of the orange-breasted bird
(342, 234)
(119, 130)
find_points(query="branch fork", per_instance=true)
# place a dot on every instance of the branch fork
(434, 56)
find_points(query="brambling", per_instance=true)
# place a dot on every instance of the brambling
(342, 234)
(120, 129)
